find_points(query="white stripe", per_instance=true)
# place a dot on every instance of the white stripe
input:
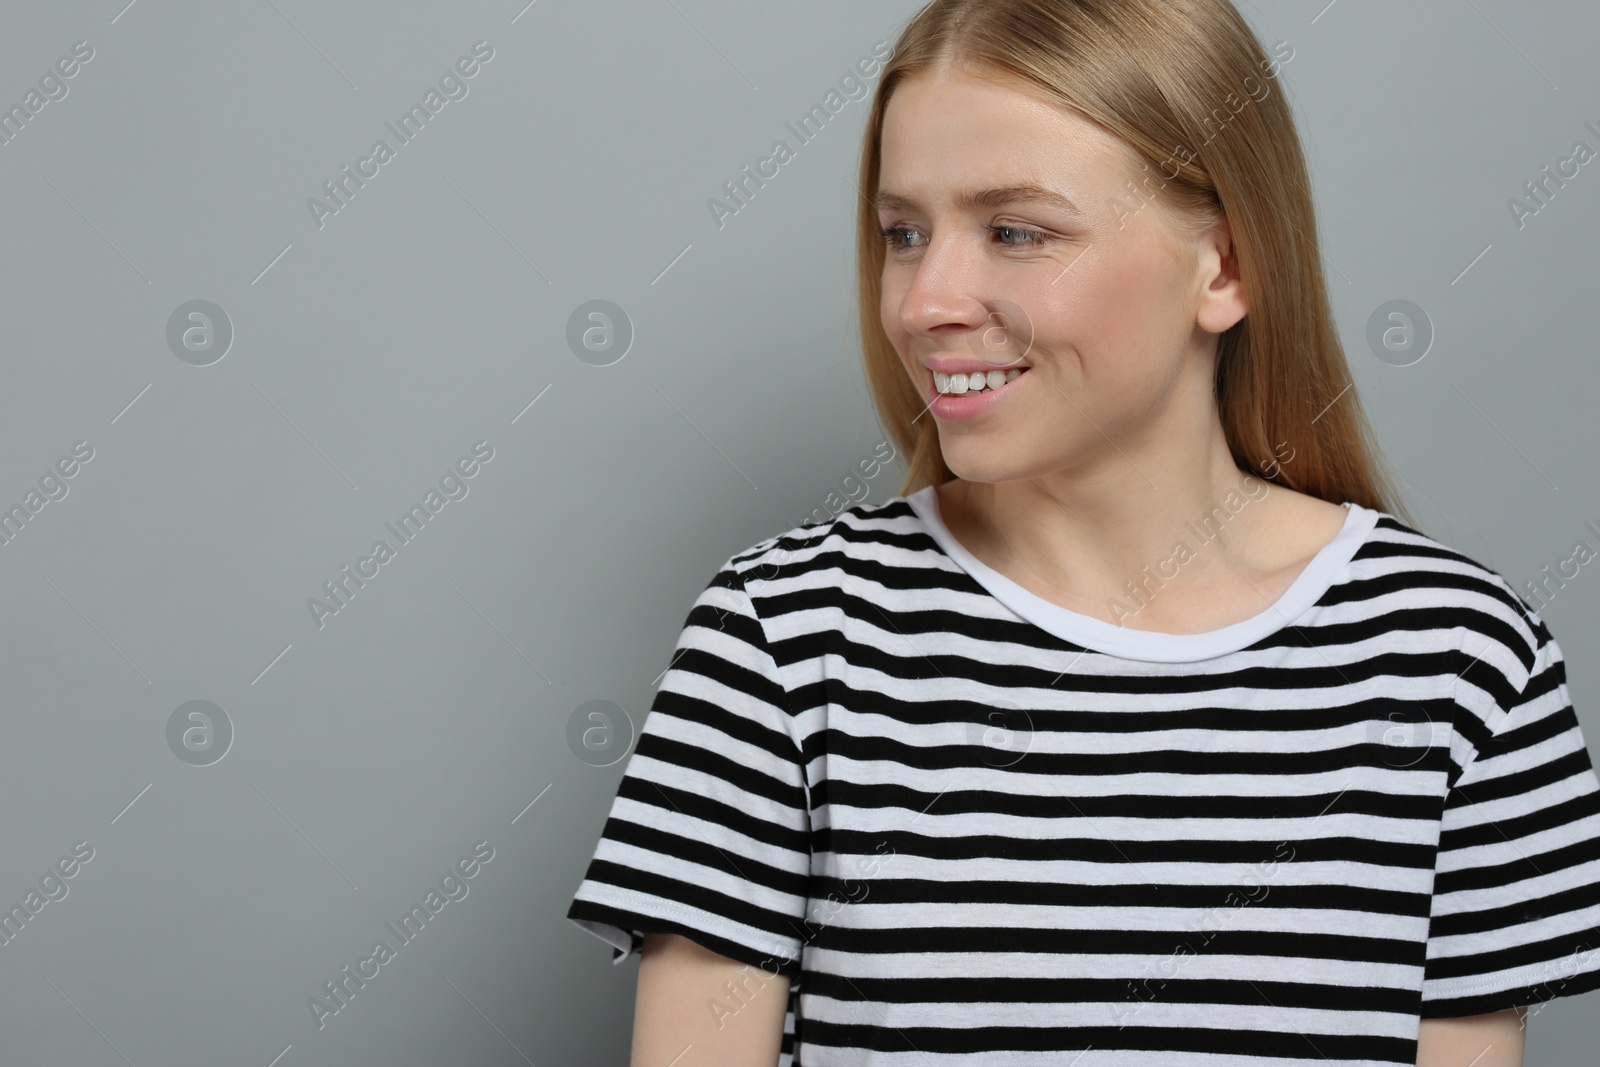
(1149, 1013)
(1115, 966)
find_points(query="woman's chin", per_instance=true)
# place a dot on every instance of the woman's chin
(981, 461)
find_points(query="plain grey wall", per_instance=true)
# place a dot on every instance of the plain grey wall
(371, 350)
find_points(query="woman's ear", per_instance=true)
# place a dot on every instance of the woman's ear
(1222, 299)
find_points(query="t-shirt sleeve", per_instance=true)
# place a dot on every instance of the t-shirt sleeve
(709, 833)
(1516, 900)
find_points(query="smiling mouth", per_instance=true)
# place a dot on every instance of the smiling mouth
(976, 382)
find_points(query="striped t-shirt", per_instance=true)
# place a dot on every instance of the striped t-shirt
(976, 828)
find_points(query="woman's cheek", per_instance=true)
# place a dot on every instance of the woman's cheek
(889, 318)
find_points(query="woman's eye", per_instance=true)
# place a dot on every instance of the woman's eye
(901, 237)
(895, 236)
(1028, 237)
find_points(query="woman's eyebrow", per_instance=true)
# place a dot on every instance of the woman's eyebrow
(1017, 193)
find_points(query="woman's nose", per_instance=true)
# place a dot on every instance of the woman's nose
(944, 289)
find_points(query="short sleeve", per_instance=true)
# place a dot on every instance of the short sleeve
(1516, 901)
(709, 833)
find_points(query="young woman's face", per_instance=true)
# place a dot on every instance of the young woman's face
(1086, 288)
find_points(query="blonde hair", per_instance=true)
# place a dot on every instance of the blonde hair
(1156, 74)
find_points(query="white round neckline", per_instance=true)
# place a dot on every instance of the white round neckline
(1127, 643)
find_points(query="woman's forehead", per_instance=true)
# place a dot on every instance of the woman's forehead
(965, 130)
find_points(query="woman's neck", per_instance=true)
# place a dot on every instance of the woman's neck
(1223, 543)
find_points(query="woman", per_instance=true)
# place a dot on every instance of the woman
(1138, 729)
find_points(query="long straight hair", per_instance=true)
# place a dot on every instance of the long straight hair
(1177, 82)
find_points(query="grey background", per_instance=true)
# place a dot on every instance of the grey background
(369, 355)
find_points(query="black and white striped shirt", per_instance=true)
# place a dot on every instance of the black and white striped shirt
(976, 828)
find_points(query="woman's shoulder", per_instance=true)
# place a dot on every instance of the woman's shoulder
(862, 532)
(1394, 547)
(1442, 586)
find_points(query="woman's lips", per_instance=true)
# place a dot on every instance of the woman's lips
(948, 407)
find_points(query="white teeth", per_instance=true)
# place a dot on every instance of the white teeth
(976, 382)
